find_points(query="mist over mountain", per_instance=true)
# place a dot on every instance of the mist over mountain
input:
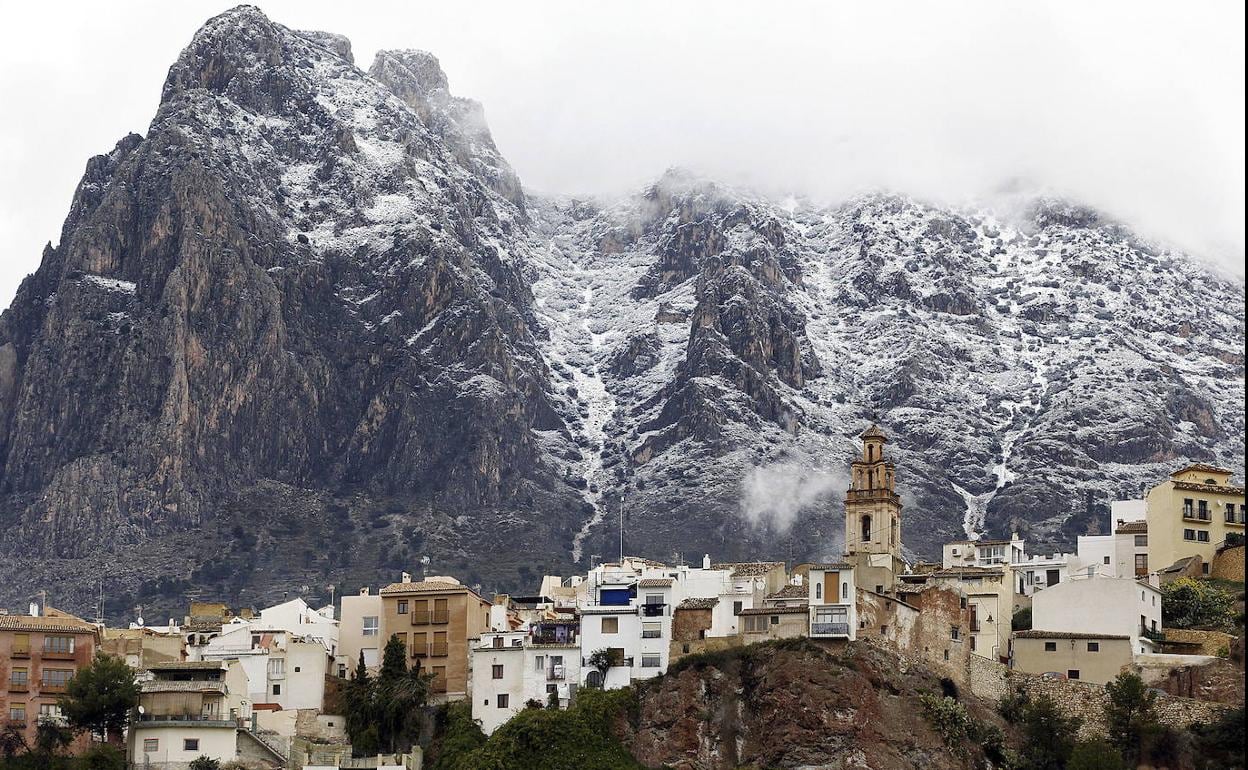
(311, 329)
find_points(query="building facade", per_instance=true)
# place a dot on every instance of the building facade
(512, 669)
(435, 618)
(873, 516)
(1095, 658)
(38, 656)
(1191, 513)
(1102, 605)
(360, 631)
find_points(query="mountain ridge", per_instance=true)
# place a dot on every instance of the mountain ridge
(313, 322)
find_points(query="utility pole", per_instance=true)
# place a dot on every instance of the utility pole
(621, 529)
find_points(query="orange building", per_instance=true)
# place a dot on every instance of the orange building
(435, 618)
(38, 656)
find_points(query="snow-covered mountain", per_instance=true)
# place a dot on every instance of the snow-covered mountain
(311, 329)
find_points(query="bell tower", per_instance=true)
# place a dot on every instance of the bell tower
(873, 515)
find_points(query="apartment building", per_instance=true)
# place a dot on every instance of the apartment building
(1117, 607)
(283, 669)
(186, 710)
(435, 618)
(39, 653)
(1192, 513)
(360, 631)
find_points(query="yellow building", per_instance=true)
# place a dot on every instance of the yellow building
(435, 618)
(1191, 514)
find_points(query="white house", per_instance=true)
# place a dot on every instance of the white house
(1123, 552)
(1102, 605)
(831, 601)
(282, 668)
(510, 669)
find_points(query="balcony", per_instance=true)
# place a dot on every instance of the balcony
(50, 687)
(16, 724)
(441, 617)
(57, 654)
(20, 652)
(19, 686)
(652, 633)
(555, 673)
(655, 610)
(421, 617)
(1152, 635)
(420, 650)
(438, 650)
(195, 720)
(829, 629)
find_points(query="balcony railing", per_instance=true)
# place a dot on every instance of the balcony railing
(652, 633)
(19, 686)
(656, 610)
(1152, 635)
(202, 720)
(17, 724)
(20, 652)
(58, 654)
(421, 617)
(47, 687)
(829, 629)
(438, 649)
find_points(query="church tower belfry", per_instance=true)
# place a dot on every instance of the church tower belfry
(873, 515)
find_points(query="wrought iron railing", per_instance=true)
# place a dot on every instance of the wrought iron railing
(829, 629)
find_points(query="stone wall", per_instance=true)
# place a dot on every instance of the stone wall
(1206, 642)
(690, 625)
(1228, 564)
(992, 681)
(919, 629)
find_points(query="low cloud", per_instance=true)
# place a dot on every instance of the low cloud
(773, 495)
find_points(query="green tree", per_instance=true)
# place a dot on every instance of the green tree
(1095, 754)
(100, 696)
(600, 660)
(204, 762)
(1219, 745)
(1048, 735)
(1021, 620)
(460, 737)
(358, 703)
(1130, 713)
(1188, 603)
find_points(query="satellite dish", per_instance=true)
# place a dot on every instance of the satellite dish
(140, 620)
(142, 710)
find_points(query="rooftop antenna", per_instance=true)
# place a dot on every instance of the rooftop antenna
(99, 608)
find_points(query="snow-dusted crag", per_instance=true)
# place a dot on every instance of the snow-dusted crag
(310, 327)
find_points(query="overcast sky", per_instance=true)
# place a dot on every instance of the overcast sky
(1135, 107)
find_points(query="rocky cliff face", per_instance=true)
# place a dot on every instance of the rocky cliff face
(795, 706)
(311, 329)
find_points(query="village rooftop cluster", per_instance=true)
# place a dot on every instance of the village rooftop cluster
(254, 686)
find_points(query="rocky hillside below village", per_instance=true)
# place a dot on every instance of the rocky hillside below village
(310, 329)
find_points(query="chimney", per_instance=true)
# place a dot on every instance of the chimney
(34, 609)
(407, 577)
(706, 561)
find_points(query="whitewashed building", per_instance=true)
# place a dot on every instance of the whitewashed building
(509, 670)
(1102, 605)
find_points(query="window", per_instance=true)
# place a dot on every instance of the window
(866, 529)
(1052, 576)
(255, 641)
(504, 700)
(1072, 673)
(1202, 510)
(190, 744)
(955, 632)
(736, 608)
(439, 644)
(297, 669)
(1202, 536)
(18, 676)
(654, 598)
(441, 611)
(844, 590)
(649, 661)
(818, 590)
(370, 625)
(1187, 507)
(962, 602)
(21, 644)
(775, 620)
(753, 624)
(51, 712)
(651, 630)
(17, 713)
(972, 642)
(1050, 646)
(277, 666)
(56, 677)
(420, 613)
(610, 625)
(277, 689)
(552, 688)
(1141, 564)
(1094, 646)
(539, 663)
(497, 642)
(1189, 534)
(883, 630)
(497, 671)
(402, 606)
(1141, 541)
(58, 644)
(151, 745)
(1105, 560)
(1230, 512)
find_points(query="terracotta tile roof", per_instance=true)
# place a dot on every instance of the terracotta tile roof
(47, 624)
(836, 565)
(774, 611)
(748, 568)
(1219, 488)
(698, 603)
(1202, 468)
(872, 432)
(655, 583)
(1132, 527)
(791, 592)
(1036, 634)
(423, 585)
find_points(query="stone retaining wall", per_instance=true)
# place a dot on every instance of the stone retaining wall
(1228, 564)
(992, 681)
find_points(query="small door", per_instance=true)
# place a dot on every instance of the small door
(832, 587)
